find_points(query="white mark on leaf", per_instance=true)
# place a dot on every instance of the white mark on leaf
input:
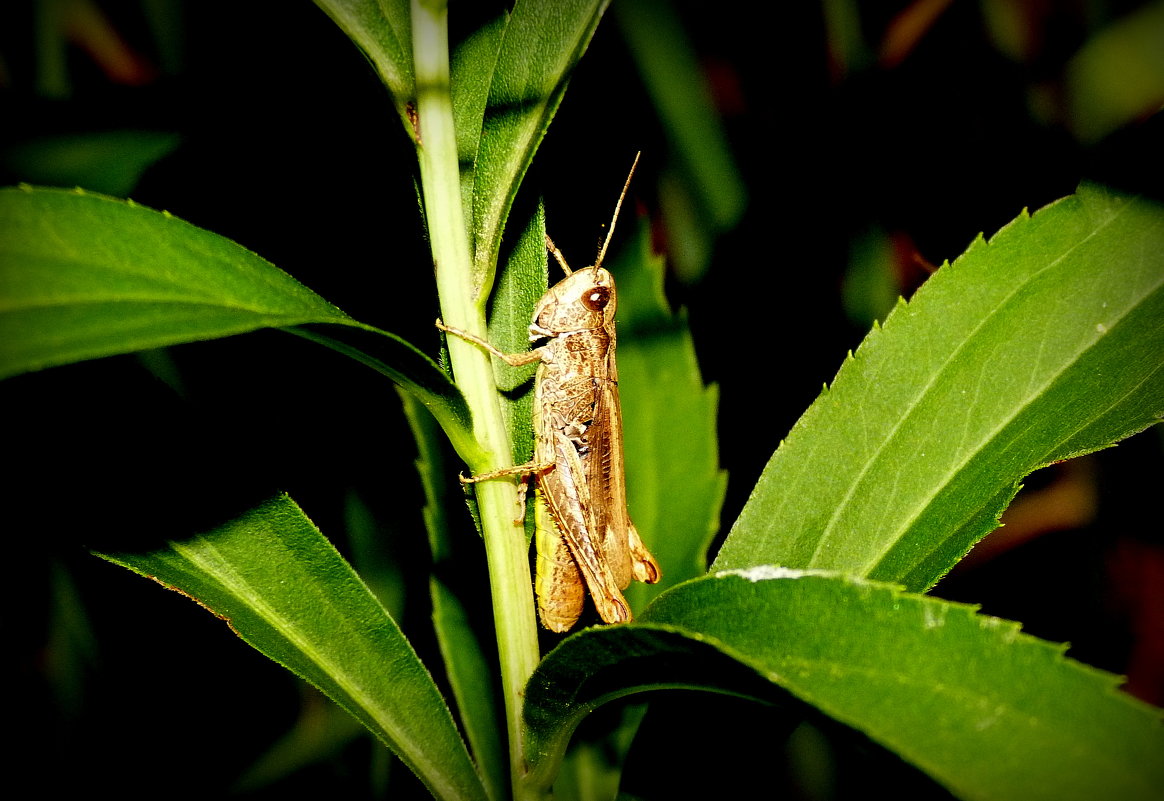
(935, 616)
(768, 572)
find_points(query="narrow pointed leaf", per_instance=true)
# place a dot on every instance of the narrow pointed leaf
(1041, 345)
(519, 287)
(679, 88)
(989, 712)
(542, 42)
(282, 587)
(471, 69)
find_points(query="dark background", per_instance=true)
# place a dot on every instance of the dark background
(289, 145)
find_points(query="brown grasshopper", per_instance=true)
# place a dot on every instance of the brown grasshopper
(585, 537)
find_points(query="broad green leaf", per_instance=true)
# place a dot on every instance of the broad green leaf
(84, 276)
(674, 484)
(543, 40)
(1041, 345)
(282, 587)
(382, 29)
(989, 712)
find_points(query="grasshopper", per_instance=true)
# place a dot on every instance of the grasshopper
(584, 534)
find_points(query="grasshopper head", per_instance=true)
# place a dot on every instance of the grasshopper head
(581, 301)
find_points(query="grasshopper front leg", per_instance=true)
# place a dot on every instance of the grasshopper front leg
(524, 470)
(512, 359)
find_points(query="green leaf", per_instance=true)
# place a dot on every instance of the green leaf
(700, 190)
(1118, 76)
(986, 710)
(678, 87)
(870, 287)
(282, 587)
(543, 40)
(601, 664)
(471, 69)
(674, 485)
(84, 276)
(382, 29)
(989, 712)
(1042, 345)
(519, 287)
(111, 162)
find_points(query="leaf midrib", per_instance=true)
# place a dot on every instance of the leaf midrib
(889, 542)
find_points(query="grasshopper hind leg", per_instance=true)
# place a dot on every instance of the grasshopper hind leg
(560, 588)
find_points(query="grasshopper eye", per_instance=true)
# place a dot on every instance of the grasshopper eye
(597, 298)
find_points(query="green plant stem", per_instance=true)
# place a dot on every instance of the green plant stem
(505, 542)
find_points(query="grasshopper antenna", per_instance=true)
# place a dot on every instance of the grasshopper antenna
(617, 209)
